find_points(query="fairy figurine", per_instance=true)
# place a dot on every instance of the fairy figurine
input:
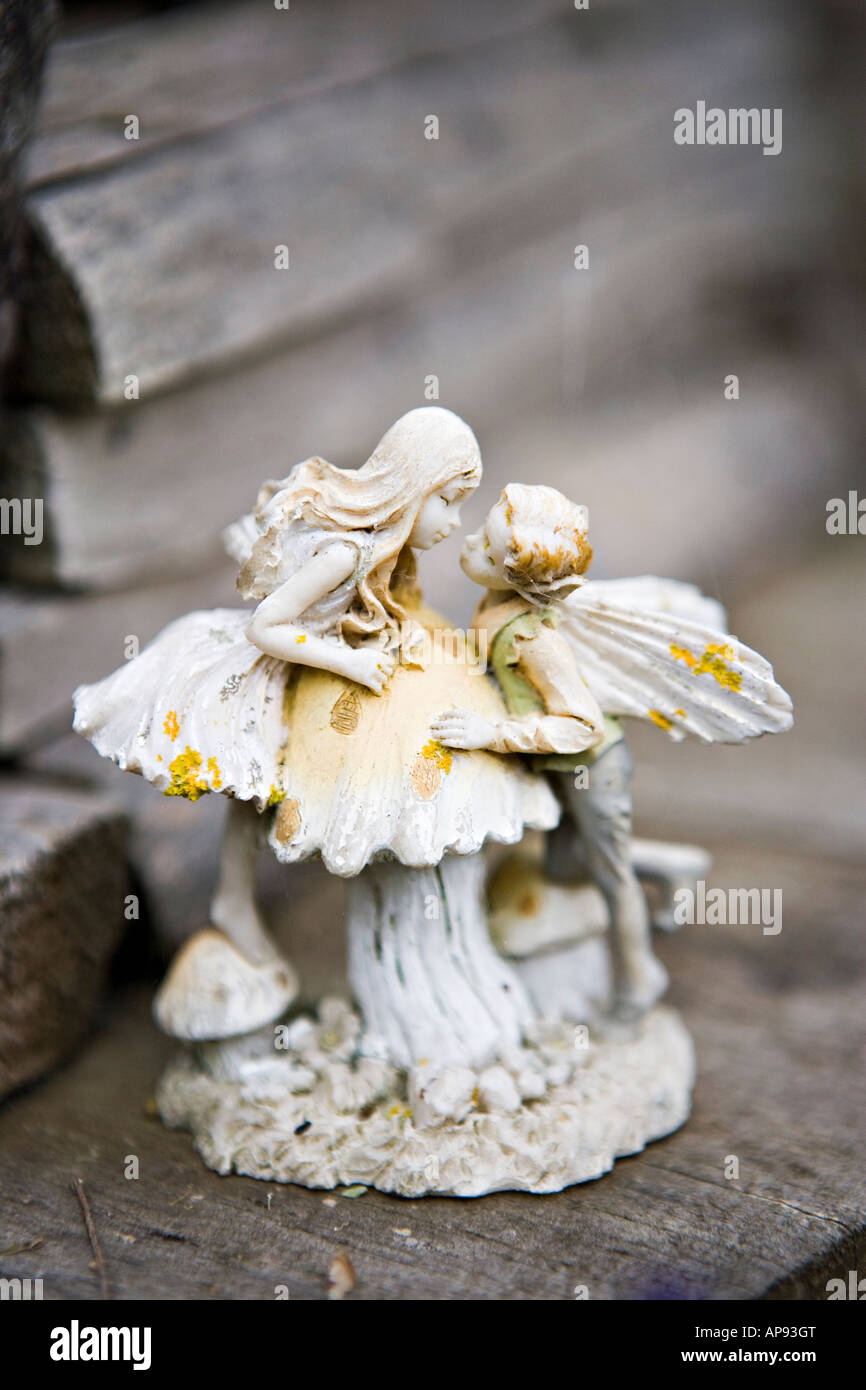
(343, 718)
(563, 649)
(311, 713)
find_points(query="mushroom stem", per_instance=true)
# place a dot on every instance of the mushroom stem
(233, 908)
(429, 982)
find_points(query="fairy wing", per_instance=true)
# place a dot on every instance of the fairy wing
(648, 591)
(240, 536)
(677, 671)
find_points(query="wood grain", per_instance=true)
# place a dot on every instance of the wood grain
(162, 267)
(63, 876)
(198, 69)
(780, 1035)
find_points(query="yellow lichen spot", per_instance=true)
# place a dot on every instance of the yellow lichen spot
(475, 1096)
(185, 779)
(683, 654)
(660, 719)
(681, 713)
(171, 726)
(216, 777)
(275, 796)
(300, 639)
(395, 1110)
(159, 757)
(714, 662)
(438, 754)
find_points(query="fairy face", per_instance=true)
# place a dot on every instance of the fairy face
(482, 558)
(438, 516)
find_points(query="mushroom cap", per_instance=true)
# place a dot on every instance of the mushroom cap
(212, 991)
(362, 777)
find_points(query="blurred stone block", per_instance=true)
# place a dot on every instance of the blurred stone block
(63, 881)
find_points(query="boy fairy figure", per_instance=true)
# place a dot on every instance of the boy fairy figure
(571, 657)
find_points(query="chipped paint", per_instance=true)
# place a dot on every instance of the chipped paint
(288, 820)
(430, 764)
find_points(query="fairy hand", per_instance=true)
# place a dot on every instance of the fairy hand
(371, 668)
(460, 728)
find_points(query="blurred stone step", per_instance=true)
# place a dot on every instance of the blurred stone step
(163, 268)
(520, 328)
(198, 68)
(63, 887)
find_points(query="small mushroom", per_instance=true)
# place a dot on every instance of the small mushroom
(212, 991)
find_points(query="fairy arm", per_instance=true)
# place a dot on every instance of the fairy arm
(569, 719)
(274, 629)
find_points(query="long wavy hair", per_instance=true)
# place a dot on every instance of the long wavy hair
(373, 507)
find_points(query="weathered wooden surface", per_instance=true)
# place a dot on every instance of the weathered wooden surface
(248, 57)
(194, 459)
(780, 1035)
(515, 336)
(163, 267)
(63, 880)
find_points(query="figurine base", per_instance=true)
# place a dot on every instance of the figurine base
(551, 1114)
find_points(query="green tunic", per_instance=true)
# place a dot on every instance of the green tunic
(521, 696)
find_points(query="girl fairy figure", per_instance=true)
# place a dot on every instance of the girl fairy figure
(310, 714)
(569, 655)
